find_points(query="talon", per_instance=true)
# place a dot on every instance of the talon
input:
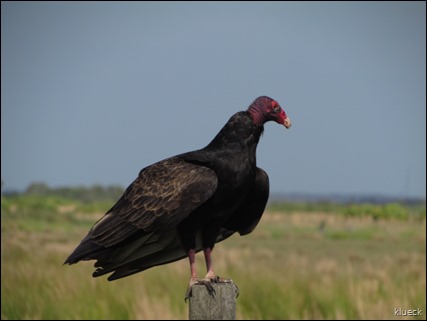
(189, 291)
(206, 282)
(236, 288)
(215, 279)
(187, 295)
(209, 287)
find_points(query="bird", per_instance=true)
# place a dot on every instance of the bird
(186, 203)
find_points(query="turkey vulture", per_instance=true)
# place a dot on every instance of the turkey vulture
(186, 203)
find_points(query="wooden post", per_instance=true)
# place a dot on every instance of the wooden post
(220, 306)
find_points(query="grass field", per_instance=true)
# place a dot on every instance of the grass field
(300, 263)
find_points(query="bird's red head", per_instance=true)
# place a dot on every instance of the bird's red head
(264, 109)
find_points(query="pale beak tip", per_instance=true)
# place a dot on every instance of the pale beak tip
(287, 123)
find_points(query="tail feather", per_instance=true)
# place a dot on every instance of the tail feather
(142, 253)
(171, 251)
(86, 250)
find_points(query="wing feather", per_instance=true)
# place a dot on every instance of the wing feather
(162, 196)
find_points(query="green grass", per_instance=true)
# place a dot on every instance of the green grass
(375, 211)
(297, 264)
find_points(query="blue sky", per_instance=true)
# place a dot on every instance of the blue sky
(93, 92)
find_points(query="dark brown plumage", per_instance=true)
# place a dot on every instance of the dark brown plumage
(186, 203)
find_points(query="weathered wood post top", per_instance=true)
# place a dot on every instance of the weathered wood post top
(219, 306)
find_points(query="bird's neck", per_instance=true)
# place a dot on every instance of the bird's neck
(240, 130)
(257, 115)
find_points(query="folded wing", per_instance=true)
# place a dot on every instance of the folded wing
(162, 196)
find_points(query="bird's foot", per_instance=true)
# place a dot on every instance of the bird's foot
(213, 278)
(194, 281)
(208, 282)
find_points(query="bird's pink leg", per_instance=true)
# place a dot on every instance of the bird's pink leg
(211, 277)
(211, 274)
(193, 279)
(192, 259)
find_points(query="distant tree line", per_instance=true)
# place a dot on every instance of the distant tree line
(80, 193)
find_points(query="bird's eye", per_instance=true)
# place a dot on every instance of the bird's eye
(276, 106)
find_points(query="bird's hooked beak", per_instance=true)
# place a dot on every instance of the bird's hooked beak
(287, 123)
